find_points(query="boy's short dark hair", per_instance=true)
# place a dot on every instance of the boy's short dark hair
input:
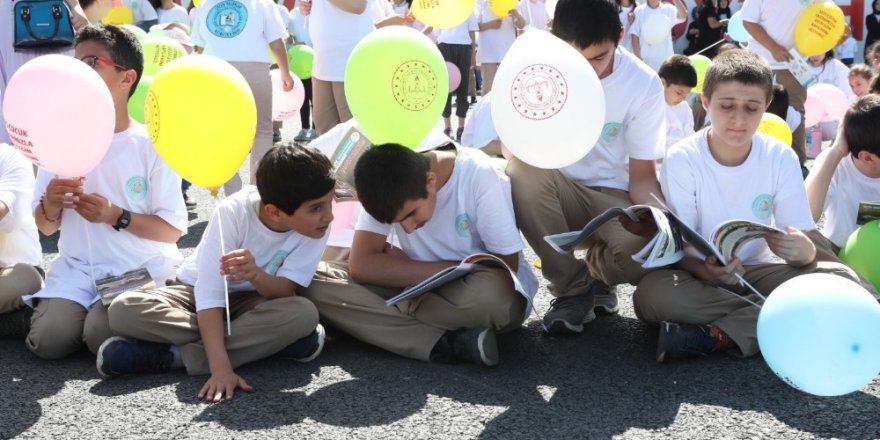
(122, 46)
(587, 22)
(290, 174)
(780, 102)
(678, 70)
(387, 176)
(860, 125)
(742, 66)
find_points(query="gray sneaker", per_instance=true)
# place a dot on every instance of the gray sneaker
(16, 324)
(302, 136)
(568, 314)
(606, 298)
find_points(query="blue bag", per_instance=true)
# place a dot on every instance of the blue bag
(41, 24)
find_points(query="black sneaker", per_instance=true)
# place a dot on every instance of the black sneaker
(119, 356)
(805, 171)
(307, 348)
(477, 345)
(276, 135)
(16, 324)
(605, 298)
(568, 314)
(682, 341)
(302, 136)
(190, 203)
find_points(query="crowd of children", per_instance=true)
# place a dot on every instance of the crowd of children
(261, 279)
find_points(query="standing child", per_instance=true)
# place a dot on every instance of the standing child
(457, 47)
(496, 35)
(679, 77)
(653, 55)
(299, 31)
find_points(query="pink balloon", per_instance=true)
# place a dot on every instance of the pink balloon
(454, 76)
(285, 105)
(836, 103)
(815, 110)
(69, 134)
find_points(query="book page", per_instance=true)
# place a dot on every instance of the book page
(566, 242)
(352, 145)
(730, 235)
(868, 211)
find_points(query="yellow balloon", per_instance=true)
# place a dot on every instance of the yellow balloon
(502, 7)
(442, 14)
(201, 116)
(119, 15)
(196, 3)
(775, 127)
(819, 29)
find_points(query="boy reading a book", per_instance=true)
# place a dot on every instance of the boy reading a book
(265, 242)
(441, 206)
(725, 172)
(847, 174)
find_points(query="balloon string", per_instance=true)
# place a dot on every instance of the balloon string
(225, 283)
(529, 13)
(89, 247)
(710, 46)
(742, 297)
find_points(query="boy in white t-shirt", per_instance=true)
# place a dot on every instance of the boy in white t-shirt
(726, 172)
(125, 215)
(495, 36)
(20, 253)
(619, 171)
(169, 12)
(679, 77)
(441, 206)
(654, 54)
(266, 242)
(847, 174)
(143, 13)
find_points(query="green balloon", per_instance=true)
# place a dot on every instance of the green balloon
(136, 102)
(396, 84)
(862, 252)
(299, 58)
(138, 32)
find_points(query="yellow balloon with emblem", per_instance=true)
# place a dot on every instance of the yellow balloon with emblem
(819, 28)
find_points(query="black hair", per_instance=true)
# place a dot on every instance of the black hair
(742, 66)
(587, 22)
(779, 103)
(678, 70)
(291, 174)
(122, 46)
(860, 125)
(387, 176)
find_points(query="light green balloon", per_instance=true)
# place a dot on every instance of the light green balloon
(396, 85)
(862, 252)
(136, 102)
(138, 32)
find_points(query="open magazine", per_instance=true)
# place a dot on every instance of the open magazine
(666, 247)
(868, 211)
(350, 148)
(453, 273)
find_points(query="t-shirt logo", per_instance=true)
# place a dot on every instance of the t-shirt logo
(611, 130)
(276, 262)
(227, 19)
(539, 91)
(414, 85)
(136, 188)
(762, 205)
(462, 225)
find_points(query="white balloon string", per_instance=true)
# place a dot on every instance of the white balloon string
(742, 297)
(89, 247)
(710, 46)
(529, 14)
(225, 283)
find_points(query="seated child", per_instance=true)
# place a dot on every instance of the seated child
(860, 76)
(125, 215)
(441, 206)
(679, 77)
(703, 180)
(479, 129)
(20, 253)
(266, 242)
(779, 106)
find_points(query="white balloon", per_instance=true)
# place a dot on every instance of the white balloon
(656, 29)
(548, 105)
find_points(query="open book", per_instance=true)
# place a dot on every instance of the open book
(453, 273)
(868, 211)
(350, 148)
(666, 247)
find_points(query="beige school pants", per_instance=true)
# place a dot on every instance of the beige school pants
(547, 202)
(329, 107)
(483, 298)
(15, 282)
(677, 296)
(60, 326)
(260, 327)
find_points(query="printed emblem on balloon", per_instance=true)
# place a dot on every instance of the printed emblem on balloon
(414, 85)
(539, 91)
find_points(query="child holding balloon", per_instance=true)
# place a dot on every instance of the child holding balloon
(497, 23)
(651, 31)
(124, 216)
(699, 304)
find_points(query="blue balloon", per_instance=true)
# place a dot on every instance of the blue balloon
(736, 29)
(818, 333)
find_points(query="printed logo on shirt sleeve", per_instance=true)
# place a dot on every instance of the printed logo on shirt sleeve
(227, 19)
(276, 262)
(762, 206)
(462, 225)
(611, 130)
(136, 188)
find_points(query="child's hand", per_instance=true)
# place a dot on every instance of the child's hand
(62, 193)
(840, 148)
(717, 274)
(645, 227)
(96, 209)
(286, 81)
(795, 248)
(239, 265)
(223, 385)
(780, 53)
(305, 7)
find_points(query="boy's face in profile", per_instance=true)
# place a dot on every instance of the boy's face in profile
(416, 212)
(600, 56)
(118, 79)
(860, 86)
(736, 110)
(312, 218)
(674, 93)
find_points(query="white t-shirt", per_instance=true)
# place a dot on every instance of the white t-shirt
(459, 34)
(334, 34)
(635, 125)
(538, 11)
(836, 73)
(285, 254)
(778, 18)
(379, 10)
(141, 10)
(284, 14)
(174, 15)
(494, 43)
(767, 188)
(131, 176)
(654, 55)
(237, 30)
(299, 27)
(19, 242)
(679, 122)
(473, 214)
(848, 188)
(479, 129)
(624, 20)
(847, 49)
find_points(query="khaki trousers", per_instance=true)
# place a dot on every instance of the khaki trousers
(547, 202)
(329, 106)
(15, 282)
(488, 70)
(257, 77)
(797, 96)
(60, 326)
(260, 327)
(483, 298)
(677, 296)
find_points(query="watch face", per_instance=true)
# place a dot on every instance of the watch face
(123, 220)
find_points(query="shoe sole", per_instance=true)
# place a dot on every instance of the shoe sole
(563, 327)
(99, 360)
(322, 336)
(488, 347)
(605, 310)
(661, 342)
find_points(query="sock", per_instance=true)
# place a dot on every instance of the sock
(177, 362)
(722, 341)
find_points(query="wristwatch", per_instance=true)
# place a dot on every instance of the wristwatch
(123, 221)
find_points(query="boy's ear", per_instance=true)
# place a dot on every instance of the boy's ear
(431, 180)
(128, 79)
(868, 157)
(272, 210)
(705, 101)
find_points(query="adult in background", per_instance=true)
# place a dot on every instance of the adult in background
(872, 24)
